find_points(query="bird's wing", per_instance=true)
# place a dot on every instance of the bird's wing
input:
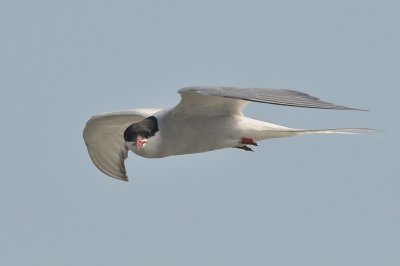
(104, 138)
(205, 99)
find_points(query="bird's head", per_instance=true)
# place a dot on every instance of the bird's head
(137, 135)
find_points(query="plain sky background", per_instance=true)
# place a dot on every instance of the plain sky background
(312, 200)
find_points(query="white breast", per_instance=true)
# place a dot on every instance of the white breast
(184, 135)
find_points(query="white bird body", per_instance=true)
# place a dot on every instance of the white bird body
(205, 134)
(206, 119)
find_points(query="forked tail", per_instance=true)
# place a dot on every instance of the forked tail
(260, 130)
(288, 132)
(350, 131)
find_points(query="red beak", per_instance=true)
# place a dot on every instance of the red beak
(139, 142)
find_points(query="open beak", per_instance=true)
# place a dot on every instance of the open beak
(140, 142)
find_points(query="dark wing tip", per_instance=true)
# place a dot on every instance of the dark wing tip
(271, 96)
(329, 105)
(345, 108)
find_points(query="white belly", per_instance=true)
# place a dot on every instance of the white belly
(192, 135)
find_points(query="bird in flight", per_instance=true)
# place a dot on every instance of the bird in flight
(206, 119)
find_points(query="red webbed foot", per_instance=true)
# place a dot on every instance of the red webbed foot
(244, 142)
(244, 147)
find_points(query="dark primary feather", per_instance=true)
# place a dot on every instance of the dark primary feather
(271, 96)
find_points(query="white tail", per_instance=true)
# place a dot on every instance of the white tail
(260, 130)
(288, 132)
(350, 131)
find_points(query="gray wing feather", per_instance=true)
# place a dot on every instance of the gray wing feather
(271, 96)
(103, 135)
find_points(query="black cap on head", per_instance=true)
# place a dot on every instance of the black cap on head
(145, 128)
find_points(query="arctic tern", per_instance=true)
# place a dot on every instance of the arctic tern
(206, 119)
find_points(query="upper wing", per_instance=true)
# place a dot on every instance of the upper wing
(104, 138)
(232, 100)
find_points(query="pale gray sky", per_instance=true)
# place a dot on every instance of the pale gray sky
(313, 200)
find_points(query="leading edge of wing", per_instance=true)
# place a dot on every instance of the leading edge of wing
(103, 135)
(264, 95)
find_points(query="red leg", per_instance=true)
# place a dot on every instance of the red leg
(247, 141)
(244, 142)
